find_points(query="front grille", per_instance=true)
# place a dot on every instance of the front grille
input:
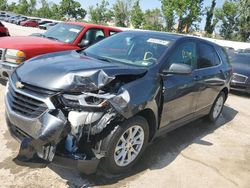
(25, 105)
(239, 78)
(33, 89)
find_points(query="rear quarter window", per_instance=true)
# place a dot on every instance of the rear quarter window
(224, 55)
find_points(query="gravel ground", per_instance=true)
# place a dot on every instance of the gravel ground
(199, 154)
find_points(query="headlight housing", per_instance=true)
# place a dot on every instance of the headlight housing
(15, 56)
(86, 100)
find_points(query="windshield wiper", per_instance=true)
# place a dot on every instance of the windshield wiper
(53, 38)
(104, 59)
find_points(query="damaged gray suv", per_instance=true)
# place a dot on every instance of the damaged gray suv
(102, 106)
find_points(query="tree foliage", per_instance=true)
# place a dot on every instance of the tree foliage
(3, 5)
(100, 14)
(72, 9)
(121, 12)
(209, 26)
(168, 12)
(228, 15)
(186, 12)
(137, 16)
(153, 20)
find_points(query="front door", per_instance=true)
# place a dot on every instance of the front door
(180, 90)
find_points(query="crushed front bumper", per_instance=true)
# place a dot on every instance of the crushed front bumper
(39, 137)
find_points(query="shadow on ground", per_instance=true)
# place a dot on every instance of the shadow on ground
(159, 154)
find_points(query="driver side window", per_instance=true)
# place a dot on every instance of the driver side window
(185, 53)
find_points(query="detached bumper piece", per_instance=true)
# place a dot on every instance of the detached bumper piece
(83, 165)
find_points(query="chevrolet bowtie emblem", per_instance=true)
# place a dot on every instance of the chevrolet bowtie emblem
(19, 85)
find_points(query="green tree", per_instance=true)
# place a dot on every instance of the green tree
(100, 14)
(44, 11)
(3, 5)
(228, 15)
(72, 9)
(137, 15)
(22, 7)
(186, 11)
(12, 7)
(244, 20)
(153, 20)
(121, 11)
(209, 26)
(55, 10)
(168, 12)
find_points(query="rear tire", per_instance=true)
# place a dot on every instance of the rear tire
(125, 145)
(217, 107)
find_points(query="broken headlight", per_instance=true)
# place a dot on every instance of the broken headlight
(87, 100)
(121, 100)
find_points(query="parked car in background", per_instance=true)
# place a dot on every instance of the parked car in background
(3, 31)
(103, 105)
(47, 25)
(243, 51)
(62, 37)
(44, 22)
(241, 72)
(29, 23)
(20, 19)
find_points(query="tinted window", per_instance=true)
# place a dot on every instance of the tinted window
(94, 35)
(224, 55)
(64, 32)
(185, 53)
(207, 56)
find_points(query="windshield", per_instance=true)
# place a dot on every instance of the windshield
(63, 32)
(135, 48)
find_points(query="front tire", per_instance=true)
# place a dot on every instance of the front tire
(217, 107)
(125, 145)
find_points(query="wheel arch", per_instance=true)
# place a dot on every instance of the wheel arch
(149, 115)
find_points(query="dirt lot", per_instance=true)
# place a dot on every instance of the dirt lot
(197, 155)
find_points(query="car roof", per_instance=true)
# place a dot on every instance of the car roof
(92, 25)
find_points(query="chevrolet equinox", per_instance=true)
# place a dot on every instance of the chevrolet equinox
(101, 107)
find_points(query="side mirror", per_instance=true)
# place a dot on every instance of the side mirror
(84, 43)
(177, 68)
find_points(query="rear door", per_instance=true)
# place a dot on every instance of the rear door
(179, 91)
(208, 75)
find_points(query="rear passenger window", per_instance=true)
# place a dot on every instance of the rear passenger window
(207, 56)
(224, 55)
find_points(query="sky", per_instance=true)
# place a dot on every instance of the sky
(145, 4)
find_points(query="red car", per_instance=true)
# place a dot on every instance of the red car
(3, 31)
(30, 23)
(61, 37)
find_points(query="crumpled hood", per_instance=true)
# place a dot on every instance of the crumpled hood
(72, 71)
